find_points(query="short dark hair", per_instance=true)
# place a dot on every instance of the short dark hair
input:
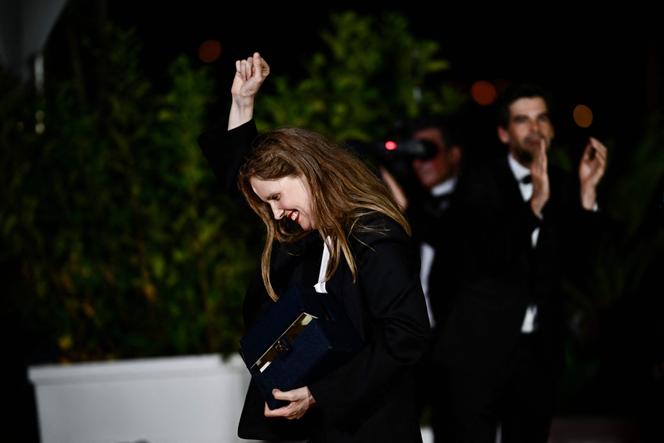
(515, 92)
(450, 126)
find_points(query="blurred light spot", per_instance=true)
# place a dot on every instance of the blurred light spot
(417, 94)
(390, 145)
(40, 127)
(89, 310)
(150, 292)
(67, 284)
(483, 92)
(209, 51)
(583, 116)
(65, 342)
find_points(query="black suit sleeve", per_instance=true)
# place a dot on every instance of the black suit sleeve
(394, 303)
(226, 150)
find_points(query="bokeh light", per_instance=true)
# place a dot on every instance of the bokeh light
(209, 51)
(583, 116)
(390, 145)
(483, 92)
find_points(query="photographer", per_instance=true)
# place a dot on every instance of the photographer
(423, 178)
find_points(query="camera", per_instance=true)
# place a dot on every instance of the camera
(394, 150)
(396, 157)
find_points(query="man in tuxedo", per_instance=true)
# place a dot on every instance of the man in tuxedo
(425, 191)
(520, 222)
(430, 203)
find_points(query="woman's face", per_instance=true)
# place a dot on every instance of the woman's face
(288, 197)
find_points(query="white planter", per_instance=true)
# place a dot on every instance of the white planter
(181, 399)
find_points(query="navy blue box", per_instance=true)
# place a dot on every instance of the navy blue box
(300, 338)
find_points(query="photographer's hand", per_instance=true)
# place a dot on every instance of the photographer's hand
(394, 187)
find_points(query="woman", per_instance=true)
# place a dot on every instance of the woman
(333, 225)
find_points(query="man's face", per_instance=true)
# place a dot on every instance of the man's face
(439, 168)
(528, 124)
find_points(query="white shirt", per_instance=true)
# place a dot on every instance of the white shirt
(325, 258)
(519, 171)
(427, 252)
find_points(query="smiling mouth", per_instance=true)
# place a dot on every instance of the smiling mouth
(295, 216)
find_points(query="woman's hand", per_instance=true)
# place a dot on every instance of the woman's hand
(249, 76)
(300, 401)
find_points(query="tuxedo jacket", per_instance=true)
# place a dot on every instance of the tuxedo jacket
(499, 271)
(369, 398)
(433, 222)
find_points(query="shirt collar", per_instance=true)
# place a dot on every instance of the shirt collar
(518, 170)
(445, 187)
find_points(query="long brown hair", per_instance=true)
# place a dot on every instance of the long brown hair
(343, 189)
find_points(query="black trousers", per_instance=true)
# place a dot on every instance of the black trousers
(518, 398)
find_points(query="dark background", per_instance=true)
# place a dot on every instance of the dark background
(612, 64)
(609, 60)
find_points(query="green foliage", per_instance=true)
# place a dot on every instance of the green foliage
(624, 269)
(125, 246)
(628, 250)
(373, 74)
(625, 258)
(111, 216)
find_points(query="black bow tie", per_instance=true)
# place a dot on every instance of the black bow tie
(526, 179)
(441, 202)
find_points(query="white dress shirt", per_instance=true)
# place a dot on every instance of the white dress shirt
(529, 320)
(427, 252)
